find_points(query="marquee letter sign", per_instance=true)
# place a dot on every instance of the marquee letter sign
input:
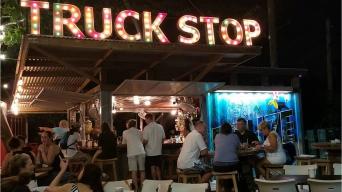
(151, 29)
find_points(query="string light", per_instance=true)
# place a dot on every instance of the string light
(224, 32)
(106, 20)
(120, 25)
(210, 28)
(251, 34)
(2, 56)
(35, 7)
(150, 27)
(70, 23)
(188, 29)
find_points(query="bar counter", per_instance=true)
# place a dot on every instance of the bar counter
(169, 150)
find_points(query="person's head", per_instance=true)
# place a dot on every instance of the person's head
(264, 128)
(75, 128)
(15, 144)
(241, 124)
(105, 128)
(148, 118)
(11, 184)
(63, 124)
(91, 176)
(226, 129)
(131, 123)
(20, 163)
(200, 126)
(46, 137)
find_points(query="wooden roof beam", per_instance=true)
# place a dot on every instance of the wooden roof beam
(208, 67)
(153, 64)
(65, 64)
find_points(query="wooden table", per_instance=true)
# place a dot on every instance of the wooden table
(333, 149)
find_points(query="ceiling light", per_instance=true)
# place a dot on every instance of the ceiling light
(5, 86)
(121, 109)
(136, 100)
(174, 112)
(2, 56)
(147, 103)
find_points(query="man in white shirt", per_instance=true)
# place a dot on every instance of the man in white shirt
(153, 139)
(194, 147)
(135, 151)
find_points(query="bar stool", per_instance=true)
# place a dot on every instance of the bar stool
(102, 162)
(185, 176)
(275, 168)
(324, 164)
(304, 160)
(225, 176)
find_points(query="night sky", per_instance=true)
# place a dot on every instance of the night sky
(301, 43)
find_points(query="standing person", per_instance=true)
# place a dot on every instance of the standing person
(107, 144)
(70, 142)
(245, 135)
(194, 147)
(273, 147)
(59, 131)
(135, 151)
(153, 139)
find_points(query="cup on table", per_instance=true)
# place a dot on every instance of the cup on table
(312, 172)
(118, 189)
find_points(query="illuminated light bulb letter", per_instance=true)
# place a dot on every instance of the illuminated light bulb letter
(150, 27)
(120, 25)
(188, 29)
(70, 23)
(210, 28)
(35, 13)
(106, 19)
(251, 34)
(225, 35)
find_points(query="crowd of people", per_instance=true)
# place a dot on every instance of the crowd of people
(59, 146)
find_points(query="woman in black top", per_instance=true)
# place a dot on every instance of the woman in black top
(107, 144)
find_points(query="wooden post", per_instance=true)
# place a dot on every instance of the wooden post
(106, 107)
(272, 33)
(82, 119)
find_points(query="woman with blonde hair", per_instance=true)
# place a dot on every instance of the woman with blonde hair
(273, 147)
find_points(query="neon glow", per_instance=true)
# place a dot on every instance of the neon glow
(154, 27)
(120, 25)
(149, 31)
(188, 29)
(106, 20)
(59, 21)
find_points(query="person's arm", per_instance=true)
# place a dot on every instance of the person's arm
(49, 129)
(63, 165)
(201, 145)
(145, 136)
(124, 140)
(272, 138)
(204, 152)
(97, 153)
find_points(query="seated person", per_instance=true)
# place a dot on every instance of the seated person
(20, 170)
(194, 147)
(227, 147)
(273, 147)
(245, 135)
(89, 180)
(16, 146)
(107, 144)
(48, 154)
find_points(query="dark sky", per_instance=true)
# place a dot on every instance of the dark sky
(301, 43)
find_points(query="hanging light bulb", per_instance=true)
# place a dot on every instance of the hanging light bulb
(174, 112)
(2, 56)
(147, 103)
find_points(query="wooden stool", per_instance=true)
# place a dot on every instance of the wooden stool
(184, 176)
(304, 160)
(102, 162)
(225, 176)
(324, 164)
(273, 167)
